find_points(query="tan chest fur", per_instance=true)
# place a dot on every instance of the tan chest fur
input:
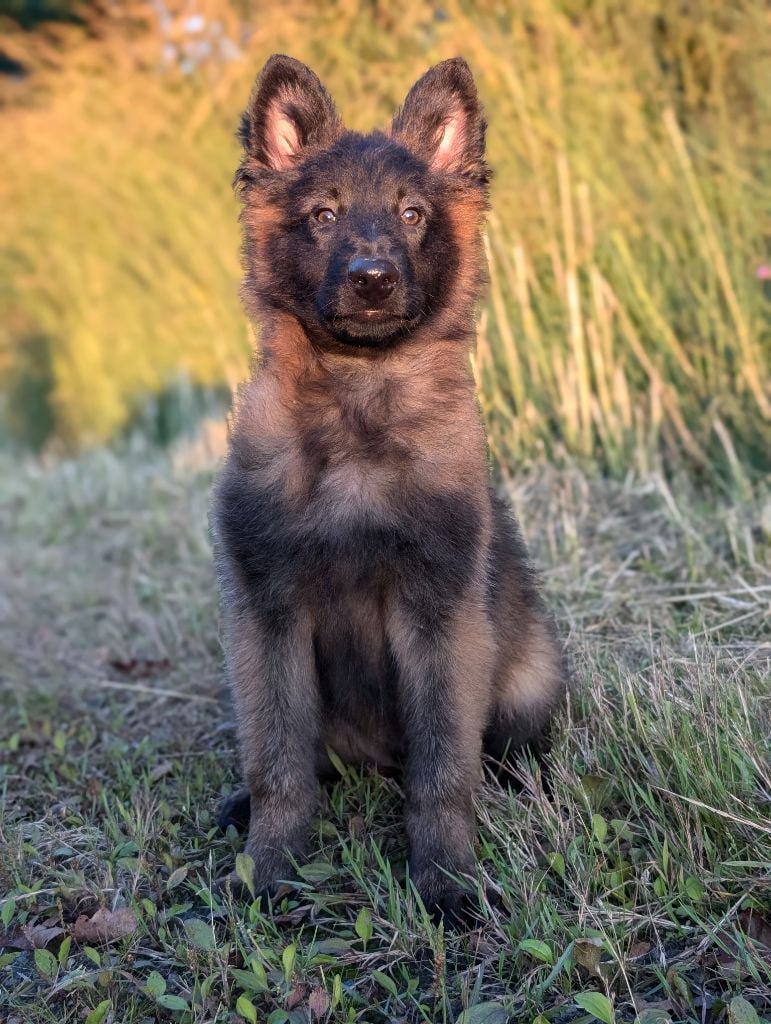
(352, 433)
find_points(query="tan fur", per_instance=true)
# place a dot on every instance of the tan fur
(531, 677)
(424, 400)
(376, 597)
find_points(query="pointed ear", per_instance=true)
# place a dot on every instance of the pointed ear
(443, 122)
(289, 111)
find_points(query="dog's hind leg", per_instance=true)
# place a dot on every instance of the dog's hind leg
(530, 686)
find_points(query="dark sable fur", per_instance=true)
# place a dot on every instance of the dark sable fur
(376, 597)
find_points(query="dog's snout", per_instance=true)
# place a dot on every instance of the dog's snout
(373, 280)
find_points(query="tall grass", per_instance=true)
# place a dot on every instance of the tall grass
(626, 319)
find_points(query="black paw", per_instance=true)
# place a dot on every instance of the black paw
(447, 901)
(235, 810)
(268, 892)
(234, 886)
(458, 911)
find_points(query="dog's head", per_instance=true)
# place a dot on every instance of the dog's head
(363, 237)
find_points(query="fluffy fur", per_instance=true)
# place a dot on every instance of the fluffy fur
(376, 597)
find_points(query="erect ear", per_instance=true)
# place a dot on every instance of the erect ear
(289, 111)
(442, 120)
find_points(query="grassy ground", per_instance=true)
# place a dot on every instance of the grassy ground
(642, 887)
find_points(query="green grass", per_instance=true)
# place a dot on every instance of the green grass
(626, 323)
(645, 878)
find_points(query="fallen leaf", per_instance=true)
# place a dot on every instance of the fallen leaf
(104, 926)
(587, 953)
(160, 770)
(678, 986)
(295, 997)
(481, 944)
(727, 956)
(140, 668)
(357, 827)
(755, 927)
(318, 1002)
(29, 937)
(638, 949)
(294, 917)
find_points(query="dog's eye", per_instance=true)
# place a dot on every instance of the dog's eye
(411, 216)
(325, 216)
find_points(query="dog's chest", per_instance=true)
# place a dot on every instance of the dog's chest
(330, 491)
(356, 456)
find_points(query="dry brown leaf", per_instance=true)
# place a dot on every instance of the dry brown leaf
(318, 1003)
(638, 949)
(587, 953)
(104, 926)
(293, 917)
(140, 668)
(160, 770)
(481, 944)
(641, 1004)
(357, 826)
(295, 997)
(726, 955)
(681, 993)
(756, 927)
(31, 936)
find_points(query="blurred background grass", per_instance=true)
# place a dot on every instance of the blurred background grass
(628, 322)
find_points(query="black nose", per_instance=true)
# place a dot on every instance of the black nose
(373, 280)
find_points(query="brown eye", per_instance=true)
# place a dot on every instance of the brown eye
(411, 216)
(325, 216)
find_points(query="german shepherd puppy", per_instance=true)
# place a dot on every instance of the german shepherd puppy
(376, 596)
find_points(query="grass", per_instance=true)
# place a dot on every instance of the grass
(626, 322)
(641, 888)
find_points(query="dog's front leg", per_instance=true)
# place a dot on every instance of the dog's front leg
(273, 676)
(445, 662)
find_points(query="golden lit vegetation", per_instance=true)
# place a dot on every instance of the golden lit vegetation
(626, 316)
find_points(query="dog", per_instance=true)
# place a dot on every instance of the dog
(377, 598)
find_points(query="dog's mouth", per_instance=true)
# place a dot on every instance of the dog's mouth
(370, 316)
(368, 326)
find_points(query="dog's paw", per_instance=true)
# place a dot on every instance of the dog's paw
(267, 892)
(273, 877)
(446, 900)
(235, 810)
